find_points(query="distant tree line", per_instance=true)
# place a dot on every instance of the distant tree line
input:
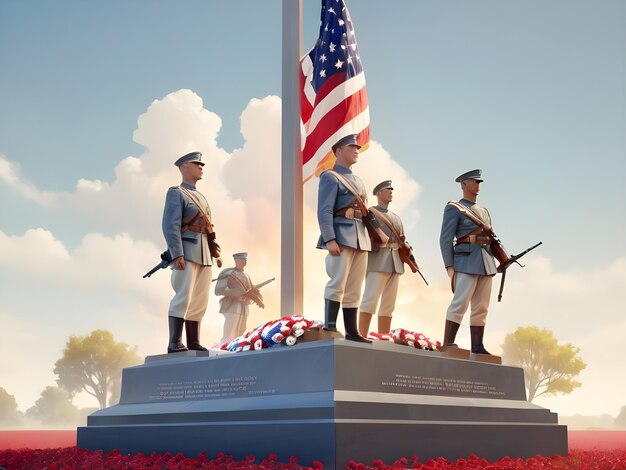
(92, 364)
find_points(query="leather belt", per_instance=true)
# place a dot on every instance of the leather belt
(349, 213)
(194, 228)
(477, 239)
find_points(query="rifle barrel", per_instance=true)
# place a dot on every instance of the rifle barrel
(518, 256)
(420, 273)
(153, 270)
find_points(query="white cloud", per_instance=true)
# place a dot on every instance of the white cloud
(98, 284)
(10, 174)
(21, 253)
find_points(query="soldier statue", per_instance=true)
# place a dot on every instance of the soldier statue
(343, 233)
(468, 258)
(234, 284)
(384, 266)
(190, 239)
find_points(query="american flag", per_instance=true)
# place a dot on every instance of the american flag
(333, 97)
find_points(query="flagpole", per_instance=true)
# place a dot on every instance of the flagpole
(291, 265)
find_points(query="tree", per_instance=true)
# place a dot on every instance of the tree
(94, 364)
(549, 367)
(9, 414)
(54, 406)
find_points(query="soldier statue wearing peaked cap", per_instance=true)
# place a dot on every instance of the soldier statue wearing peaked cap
(344, 235)
(190, 238)
(232, 284)
(384, 266)
(469, 261)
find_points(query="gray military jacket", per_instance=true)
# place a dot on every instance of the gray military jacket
(333, 196)
(232, 284)
(387, 260)
(469, 258)
(179, 210)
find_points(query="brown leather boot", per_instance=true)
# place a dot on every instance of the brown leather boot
(477, 333)
(449, 334)
(192, 329)
(176, 332)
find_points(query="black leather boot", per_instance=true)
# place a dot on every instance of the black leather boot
(331, 310)
(176, 333)
(449, 334)
(477, 333)
(349, 321)
(192, 329)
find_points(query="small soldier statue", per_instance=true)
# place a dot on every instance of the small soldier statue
(238, 293)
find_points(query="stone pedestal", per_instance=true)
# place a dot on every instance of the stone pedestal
(328, 400)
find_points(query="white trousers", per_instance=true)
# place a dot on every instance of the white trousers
(346, 273)
(381, 287)
(234, 325)
(474, 289)
(191, 287)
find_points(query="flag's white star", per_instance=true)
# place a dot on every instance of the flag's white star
(323, 73)
(331, 10)
(323, 58)
(332, 47)
(338, 64)
(341, 22)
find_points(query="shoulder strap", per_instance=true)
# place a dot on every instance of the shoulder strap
(201, 211)
(241, 278)
(387, 222)
(350, 187)
(467, 211)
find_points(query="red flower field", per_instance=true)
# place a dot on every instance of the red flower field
(56, 450)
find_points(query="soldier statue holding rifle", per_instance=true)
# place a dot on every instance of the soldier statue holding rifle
(384, 266)
(191, 247)
(238, 293)
(467, 256)
(470, 247)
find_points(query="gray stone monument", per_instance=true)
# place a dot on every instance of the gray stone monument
(330, 400)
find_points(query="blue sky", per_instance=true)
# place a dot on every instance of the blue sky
(532, 92)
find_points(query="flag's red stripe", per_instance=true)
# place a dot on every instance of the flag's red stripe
(329, 85)
(334, 119)
(364, 136)
(306, 109)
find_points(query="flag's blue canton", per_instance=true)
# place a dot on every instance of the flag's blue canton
(336, 49)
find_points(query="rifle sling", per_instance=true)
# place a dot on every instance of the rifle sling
(350, 187)
(469, 213)
(201, 212)
(387, 222)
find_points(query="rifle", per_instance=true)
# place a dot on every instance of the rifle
(166, 259)
(406, 255)
(254, 294)
(405, 251)
(498, 250)
(506, 264)
(264, 283)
